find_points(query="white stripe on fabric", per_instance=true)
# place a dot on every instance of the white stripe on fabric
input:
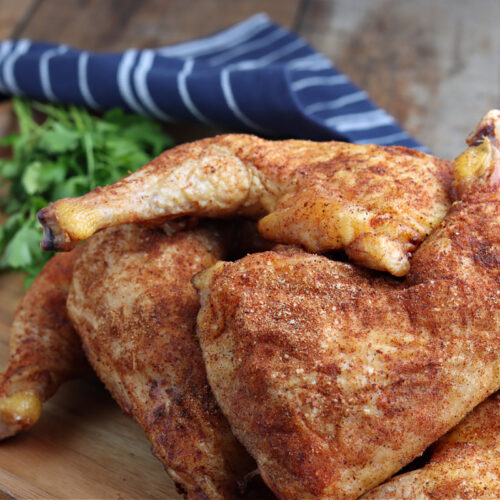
(184, 92)
(83, 84)
(315, 66)
(246, 66)
(227, 38)
(336, 103)
(316, 81)
(311, 62)
(233, 106)
(44, 70)
(360, 121)
(9, 78)
(141, 85)
(248, 47)
(272, 56)
(386, 139)
(5, 48)
(124, 69)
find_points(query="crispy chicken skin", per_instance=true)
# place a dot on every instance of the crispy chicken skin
(134, 306)
(45, 350)
(334, 377)
(465, 463)
(376, 202)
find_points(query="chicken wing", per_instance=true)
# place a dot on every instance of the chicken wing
(376, 202)
(45, 351)
(133, 304)
(335, 377)
(465, 463)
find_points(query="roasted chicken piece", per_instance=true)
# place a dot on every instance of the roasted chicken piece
(45, 350)
(134, 306)
(376, 202)
(465, 463)
(335, 377)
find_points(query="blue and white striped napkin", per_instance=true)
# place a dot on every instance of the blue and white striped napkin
(255, 76)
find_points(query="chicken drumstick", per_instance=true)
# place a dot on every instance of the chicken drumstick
(376, 202)
(45, 350)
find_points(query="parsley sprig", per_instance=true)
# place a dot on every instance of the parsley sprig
(69, 153)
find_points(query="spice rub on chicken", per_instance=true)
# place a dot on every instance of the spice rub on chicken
(334, 377)
(378, 203)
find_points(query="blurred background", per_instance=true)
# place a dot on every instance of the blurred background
(433, 65)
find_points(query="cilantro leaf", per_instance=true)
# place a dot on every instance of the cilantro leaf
(59, 139)
(65, 154)
(21, 249)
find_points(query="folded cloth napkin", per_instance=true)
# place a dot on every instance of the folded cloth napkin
(255, 76)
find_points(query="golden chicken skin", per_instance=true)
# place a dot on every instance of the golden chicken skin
(335, 377)
(378, 203)
(133, 304)
(45, 350)
(465, 464)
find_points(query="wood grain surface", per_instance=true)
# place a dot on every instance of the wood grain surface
(13, 16)
(113, 25)
(433, 65)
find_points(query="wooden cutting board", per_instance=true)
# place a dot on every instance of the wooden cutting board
(83, 447)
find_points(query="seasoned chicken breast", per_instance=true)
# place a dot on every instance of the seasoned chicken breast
(45, 351)
(376, 202)
(334, 377)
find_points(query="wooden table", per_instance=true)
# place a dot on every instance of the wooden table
(433, 65)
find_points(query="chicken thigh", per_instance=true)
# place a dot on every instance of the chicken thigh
(134, 306)
(376, 202)
(465, 463)
(45, 350)
(335, 377)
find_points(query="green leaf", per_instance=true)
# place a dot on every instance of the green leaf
(9, 139)
(59, 140)
(22, 247)
(9, 169)
(31, 178)
(35, 203)
(66, 155)
(76, 186)
(9, 228)
(33, 269)
(89, 155)
(24, 116)
(52, 173)
(13, 223)
(11, 206)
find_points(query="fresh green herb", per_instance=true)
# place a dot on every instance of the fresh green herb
(68, 154)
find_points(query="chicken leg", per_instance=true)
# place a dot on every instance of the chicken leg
(133, 304)
(335, 377)
(376, 202)
(45, 350)
(465, 463)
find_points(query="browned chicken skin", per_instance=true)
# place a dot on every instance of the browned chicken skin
(376, 202)
(45, 351)
(133, 304)
(465, 463)
(334, 377)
